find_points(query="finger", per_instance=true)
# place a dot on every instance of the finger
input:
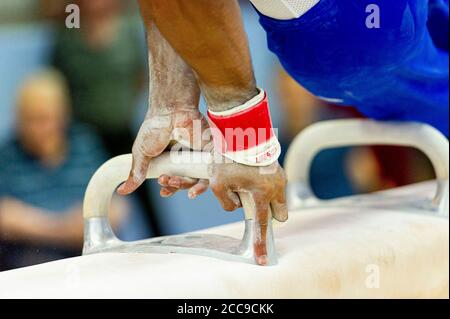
(229, 200)
(167, 191)
(149, 143)
(137, 175)
(279, 207)
(198, 189)
(163, 180)
(182, 182)
(261, 224)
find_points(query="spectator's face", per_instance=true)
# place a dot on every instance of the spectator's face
(42, 118)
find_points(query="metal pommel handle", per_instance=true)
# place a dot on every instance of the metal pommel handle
(356, 132)
(109, 176)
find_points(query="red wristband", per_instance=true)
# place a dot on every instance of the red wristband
(245, 133)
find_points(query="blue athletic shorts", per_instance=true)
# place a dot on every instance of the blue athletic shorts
(398, 71)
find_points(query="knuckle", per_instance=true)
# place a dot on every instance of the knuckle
(266, 188)
(228, 207)
(217, 188)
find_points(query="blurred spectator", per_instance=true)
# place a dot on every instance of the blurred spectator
(104, 63)
(301, 109)
(346, 171)
(384, 167)
(13, 11)
(44, 172)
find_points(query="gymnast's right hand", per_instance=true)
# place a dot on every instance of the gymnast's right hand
(173, 114)
(159, 129)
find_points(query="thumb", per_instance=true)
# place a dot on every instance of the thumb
(279, 207)
(137, 175)
(149, 143)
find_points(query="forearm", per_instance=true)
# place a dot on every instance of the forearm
(173, 112)
(210, 37)
(173, 84)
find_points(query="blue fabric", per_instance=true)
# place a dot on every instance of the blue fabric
(396, 72)
(438, 22)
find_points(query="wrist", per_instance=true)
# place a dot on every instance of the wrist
(169, 108)
(245, 133)
(221, 99)
(168, 103)
(168, 98)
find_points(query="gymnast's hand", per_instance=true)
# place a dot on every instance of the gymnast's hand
(266, 185)
(173, 114)
(159, 129)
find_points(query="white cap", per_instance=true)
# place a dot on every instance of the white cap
(284, 9)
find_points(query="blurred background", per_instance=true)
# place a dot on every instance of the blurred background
(72, 98)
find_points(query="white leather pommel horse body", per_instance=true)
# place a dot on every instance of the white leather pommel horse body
(391, 244)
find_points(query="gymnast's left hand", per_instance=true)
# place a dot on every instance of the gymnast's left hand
(266, 186)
